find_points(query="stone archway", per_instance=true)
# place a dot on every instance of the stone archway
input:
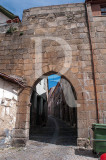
(21, 132)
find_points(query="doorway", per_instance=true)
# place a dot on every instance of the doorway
(53, 113)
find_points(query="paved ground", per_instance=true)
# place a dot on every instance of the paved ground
(56, 141)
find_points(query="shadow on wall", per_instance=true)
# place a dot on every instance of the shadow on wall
(39, 110)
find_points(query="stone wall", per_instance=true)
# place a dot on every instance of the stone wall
(8, 110)
(98, 38)
(65, 50)
(6, 27)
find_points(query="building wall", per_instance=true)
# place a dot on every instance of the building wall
(39, 107)
(41, 87)
(61, 103)
(8, 110)
(61, 27)
(3, 19)
(97, 24)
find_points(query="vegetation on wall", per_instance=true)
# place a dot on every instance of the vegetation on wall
(11, 30)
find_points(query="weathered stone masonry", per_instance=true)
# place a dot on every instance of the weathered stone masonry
(68, 22)
(9, 91)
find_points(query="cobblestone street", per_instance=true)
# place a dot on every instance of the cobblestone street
(56, 141)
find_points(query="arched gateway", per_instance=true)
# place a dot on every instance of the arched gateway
(21, 133)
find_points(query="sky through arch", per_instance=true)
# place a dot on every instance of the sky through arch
(53, 80)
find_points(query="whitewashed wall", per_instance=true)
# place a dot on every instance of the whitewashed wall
(41, 87)
(3, 19)
(8, 109)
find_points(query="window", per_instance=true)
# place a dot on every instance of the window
(103, 10)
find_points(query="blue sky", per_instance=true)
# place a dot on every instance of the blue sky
(53, 80)
(17, 6)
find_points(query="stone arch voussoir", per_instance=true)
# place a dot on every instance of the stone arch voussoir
(23, 108)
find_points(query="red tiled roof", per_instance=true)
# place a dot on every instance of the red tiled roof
(11, 79)
(95, 1)
(8, 13)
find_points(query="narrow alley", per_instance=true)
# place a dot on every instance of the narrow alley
(55, 132)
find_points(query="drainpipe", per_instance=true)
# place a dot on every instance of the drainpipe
(93, 63)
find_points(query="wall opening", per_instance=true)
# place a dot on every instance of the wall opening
(53, 113)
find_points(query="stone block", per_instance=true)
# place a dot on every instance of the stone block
(80, 25)
(23, 110)
(83, 142)
(90, 107)
(3, 66)
(99, 19)
(21, 133)
(84, 47)
(22, 125)
(19, 142)
(23, 117)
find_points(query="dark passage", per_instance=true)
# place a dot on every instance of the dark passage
(56, 132)
(53, 114)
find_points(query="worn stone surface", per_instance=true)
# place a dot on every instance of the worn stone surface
(65, 50)
(48, 152)
(8, 110)
(98, 38)
(50, 143)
